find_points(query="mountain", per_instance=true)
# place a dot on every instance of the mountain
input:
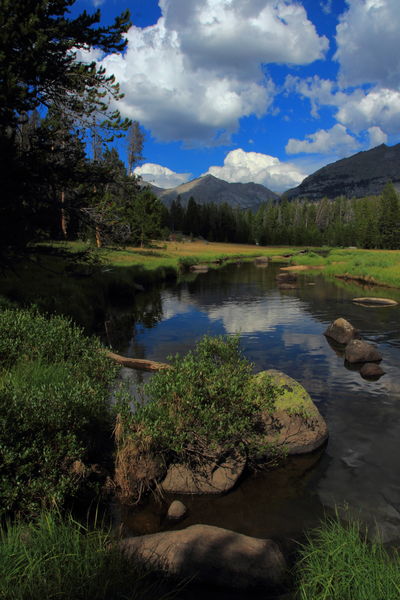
(209, 189)
(363, 174)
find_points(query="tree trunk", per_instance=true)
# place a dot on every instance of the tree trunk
(64, 225)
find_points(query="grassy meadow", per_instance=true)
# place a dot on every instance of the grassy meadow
(371, 266)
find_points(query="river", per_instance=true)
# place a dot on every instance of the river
(359, 468)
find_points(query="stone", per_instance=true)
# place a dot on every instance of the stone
(359, 351)
(214, 478)
(371, 371)
(375, 301)
(296, 425)
(286, 277)
(341, 331)
(210, 555)
(202, 268)
(177, 510)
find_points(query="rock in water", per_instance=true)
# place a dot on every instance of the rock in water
(341, 331)
(359, 351)
(371, 371)
(176, 511)
(296, 424)
(213, 478)
(210, 555)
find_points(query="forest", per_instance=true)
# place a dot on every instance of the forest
(371, 222)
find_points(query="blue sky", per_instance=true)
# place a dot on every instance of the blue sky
(256, 90)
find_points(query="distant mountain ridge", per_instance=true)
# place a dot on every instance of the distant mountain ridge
(363, 174)
(209, 189)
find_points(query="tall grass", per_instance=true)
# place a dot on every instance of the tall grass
(55, 558)
(338, 563)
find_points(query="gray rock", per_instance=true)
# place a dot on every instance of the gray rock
(296, 425)
(210, 555)
(213, 478)
(176, 511)
(371, 371)
(359, 351)
(341, 331)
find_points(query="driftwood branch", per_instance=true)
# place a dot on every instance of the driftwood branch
(137, 363)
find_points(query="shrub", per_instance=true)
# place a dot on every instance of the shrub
(337, 563)
(202, 407)
(54, 408)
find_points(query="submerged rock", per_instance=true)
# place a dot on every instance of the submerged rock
(359, 351)
(375, 301)
(341, 331)
(213, 478)
(296, 424)
(210, 555)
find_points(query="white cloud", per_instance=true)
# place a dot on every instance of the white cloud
(196, 72)
(245, 167)
(367, 38)
(97, 3)
(161, 176)
(335, 140)
(376, 136)
(359, 110)
(379, 107)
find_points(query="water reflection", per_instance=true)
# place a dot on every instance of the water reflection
(283, 329)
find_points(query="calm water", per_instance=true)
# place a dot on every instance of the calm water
(359, 469)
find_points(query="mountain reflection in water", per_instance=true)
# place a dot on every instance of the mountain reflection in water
(283, 329)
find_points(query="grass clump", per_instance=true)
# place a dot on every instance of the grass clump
(205, 406)
(53, 558)
(337, 563)
(54, 409)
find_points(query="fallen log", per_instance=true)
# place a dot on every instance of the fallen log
(137, 363)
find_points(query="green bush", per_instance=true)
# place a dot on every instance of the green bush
(204, 405)
(54, 408)
(58, 559)
(337, 563)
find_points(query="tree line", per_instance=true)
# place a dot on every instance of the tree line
(370, 222)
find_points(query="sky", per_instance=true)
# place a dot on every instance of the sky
(266, 91)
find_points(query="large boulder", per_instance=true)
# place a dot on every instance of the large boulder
(296, 425)
(341, 331)
(359, 351)
(210, 555)
(212, 478)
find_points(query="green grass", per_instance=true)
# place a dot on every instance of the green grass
(61, 559)
(338, 563)
(373, 266)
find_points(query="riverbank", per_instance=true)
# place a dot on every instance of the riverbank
(370, 267)
(81, 282)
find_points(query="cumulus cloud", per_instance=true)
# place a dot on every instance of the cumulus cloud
(379, 107)
(335, 140)
(367, 38)
(161, 176)
(376, 136)
(358, 109)
(197, 71)
(245, 167)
